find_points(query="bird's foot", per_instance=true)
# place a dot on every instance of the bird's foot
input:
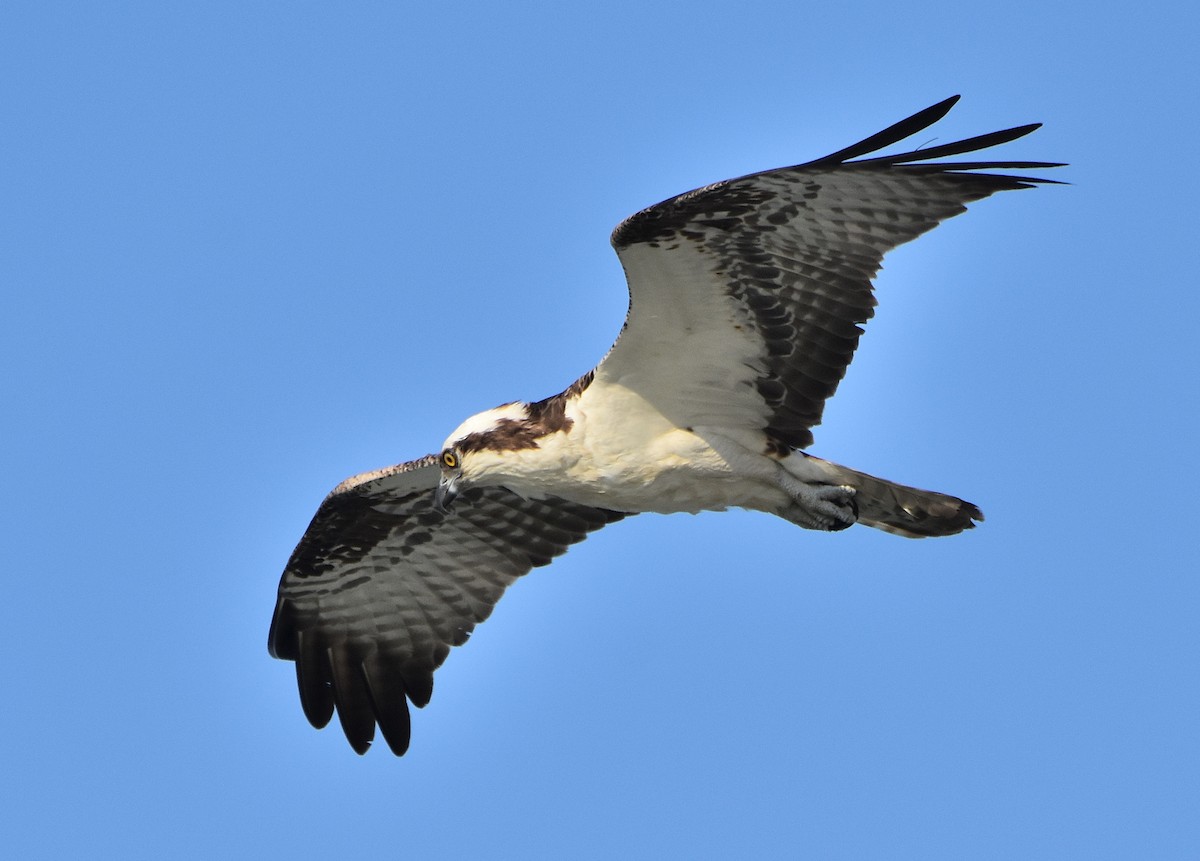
(828, 507)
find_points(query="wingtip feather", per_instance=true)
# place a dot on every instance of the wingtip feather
(894, 133)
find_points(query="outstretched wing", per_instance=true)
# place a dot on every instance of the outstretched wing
(382, 585)
(746, 296)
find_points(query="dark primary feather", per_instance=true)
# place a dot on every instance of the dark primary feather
(382, 585)
(795, 250)
(894, 133)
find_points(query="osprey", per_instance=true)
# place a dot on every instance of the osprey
(745, 303)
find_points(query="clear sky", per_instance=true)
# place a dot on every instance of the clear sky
(249, 249)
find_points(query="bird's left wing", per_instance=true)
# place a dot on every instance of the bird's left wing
(747, 296)
(382, 585)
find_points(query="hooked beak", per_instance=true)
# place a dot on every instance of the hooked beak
(443, 497)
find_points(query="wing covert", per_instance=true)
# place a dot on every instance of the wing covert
(382, 585)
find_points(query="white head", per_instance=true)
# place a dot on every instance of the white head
(481, 450)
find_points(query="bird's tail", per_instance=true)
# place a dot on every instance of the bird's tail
(899, 509)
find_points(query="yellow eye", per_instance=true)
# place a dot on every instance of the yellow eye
(449, 459)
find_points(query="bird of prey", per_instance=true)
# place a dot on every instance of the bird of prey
(746, 300)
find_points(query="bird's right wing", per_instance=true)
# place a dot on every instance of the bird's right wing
(382, 585)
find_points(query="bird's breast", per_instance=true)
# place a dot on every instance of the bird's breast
(673, 470)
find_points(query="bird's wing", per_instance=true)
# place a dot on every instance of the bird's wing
(382, 585)
(746, 297)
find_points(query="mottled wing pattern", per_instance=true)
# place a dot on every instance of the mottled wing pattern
(382, 585)
(747, 297)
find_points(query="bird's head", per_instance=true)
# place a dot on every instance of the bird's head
(479, 451)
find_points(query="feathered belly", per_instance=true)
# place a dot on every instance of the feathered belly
(675, 472)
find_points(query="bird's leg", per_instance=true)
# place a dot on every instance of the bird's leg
(816, 502)
(829, 507)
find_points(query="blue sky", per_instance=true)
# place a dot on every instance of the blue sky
(250, 249)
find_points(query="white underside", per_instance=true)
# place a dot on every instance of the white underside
(622, 453)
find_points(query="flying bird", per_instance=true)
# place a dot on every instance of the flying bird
(746, 301)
